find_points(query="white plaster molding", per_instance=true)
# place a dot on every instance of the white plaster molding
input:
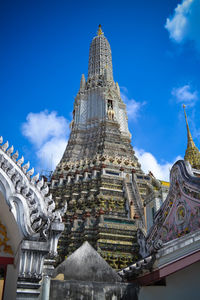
(25, 194)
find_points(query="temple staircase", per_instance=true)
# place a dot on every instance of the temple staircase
(134, 199)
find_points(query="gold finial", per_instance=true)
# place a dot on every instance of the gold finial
(190, 142)
(100, 32)
(192, 153)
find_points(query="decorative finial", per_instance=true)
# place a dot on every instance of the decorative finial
(192, 153)
(100, 32)
(190, 140)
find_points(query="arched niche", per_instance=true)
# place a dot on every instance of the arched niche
(11, 239)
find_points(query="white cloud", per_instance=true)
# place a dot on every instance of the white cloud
(51, 152)
(184, 25)
(184, 94)
(132, 106)
(149, 163)
(48, 132)
(42, 126)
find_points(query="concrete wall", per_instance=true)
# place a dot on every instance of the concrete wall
(11, 283)
(182, 285)
(74, 290)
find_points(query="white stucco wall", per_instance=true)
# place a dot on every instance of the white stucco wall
(182, 285)
(15, 238)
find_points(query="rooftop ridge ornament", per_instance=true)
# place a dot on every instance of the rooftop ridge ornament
(19, 162)
(99, 32)
(39, 206)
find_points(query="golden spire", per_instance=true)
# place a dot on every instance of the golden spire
(190, 142)
(192, 153)
(99, 32)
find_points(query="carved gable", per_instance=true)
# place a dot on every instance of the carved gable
(180, 213)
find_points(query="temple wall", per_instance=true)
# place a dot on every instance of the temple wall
(10, 248)
(182, 285)
(73, 290)
(11, 283)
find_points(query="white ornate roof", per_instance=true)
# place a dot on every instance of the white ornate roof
(26, 194)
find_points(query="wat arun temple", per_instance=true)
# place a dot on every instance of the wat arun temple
(99, 228)
(99, 175)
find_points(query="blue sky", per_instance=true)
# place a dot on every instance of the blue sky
(156, 60)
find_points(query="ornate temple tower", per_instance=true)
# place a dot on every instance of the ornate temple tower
(99, 125)
(99, 175)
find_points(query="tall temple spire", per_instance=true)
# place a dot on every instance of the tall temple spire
(100, 56)
(98, 107)
(192, 153)
(190, 142)
(99, 175)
